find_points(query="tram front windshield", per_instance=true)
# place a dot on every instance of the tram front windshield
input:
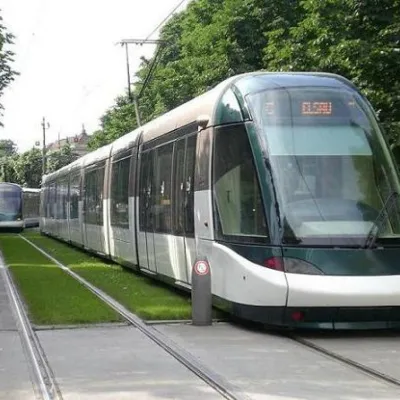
(332, 170)
(10, 202)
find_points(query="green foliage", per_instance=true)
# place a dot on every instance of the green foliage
(8, 155)
(214, 39)
(354, 38)
(7, 148)
(7, 74)
(28, 168)
(60, 158)
(117, 121)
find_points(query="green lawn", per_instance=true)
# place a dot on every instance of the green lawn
(51, 296)
(145, 297)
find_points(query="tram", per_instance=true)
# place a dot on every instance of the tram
(283, 182)
(19, 207)
(30, 207)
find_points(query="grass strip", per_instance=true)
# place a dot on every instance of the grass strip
(51, 296)
(147, 298)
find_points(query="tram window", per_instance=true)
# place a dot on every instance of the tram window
(65, 198)
(52, 198)
(179, 192)
(143, 190)
(90, 205)
(189, 184)
(238, 205)
(62, 200)
(94, 196)
(162, 206)
(120, 193)
(74, 197)
(58, 200)
(99, 196)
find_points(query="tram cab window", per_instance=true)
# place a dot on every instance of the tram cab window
(332, 171)
(238, 206)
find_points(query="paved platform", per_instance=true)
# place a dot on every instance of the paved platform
(378, 351)
(15, 380)
(274, 368)
(118, 363)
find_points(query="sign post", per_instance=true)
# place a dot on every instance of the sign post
(201, 293)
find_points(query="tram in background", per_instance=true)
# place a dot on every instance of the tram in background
(30, 207)
(284, 180)
(19, 207)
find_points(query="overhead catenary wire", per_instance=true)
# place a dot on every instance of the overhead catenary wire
(157, 56)
(164, 20)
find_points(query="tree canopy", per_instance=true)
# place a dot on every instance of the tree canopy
(7, 74)
(214, 39)
(26, 168)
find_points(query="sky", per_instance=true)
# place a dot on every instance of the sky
(71, 67)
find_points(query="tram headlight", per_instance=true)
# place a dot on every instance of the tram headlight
(292, 266)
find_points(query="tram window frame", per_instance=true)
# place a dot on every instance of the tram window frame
(162, 199)
(189, 185)
(243, 147)
(143, 165)
(178, 200)
(146, 190)
(119, 193)
(181, 208)
(73, 196)
(52, 199)
(183, 186)
(94, 186)
(62, 196)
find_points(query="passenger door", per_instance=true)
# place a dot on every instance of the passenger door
(146, 212)
(183, 213)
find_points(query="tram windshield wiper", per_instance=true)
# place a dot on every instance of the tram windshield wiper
(380, 219)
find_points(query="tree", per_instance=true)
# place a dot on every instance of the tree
(359, 39)
(117, 121)
(28, 168)
(214, 39)
(7, 74)
(7, 148)
(60, 158)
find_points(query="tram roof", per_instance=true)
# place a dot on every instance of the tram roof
(205, 107)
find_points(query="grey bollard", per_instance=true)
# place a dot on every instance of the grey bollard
(201, 293)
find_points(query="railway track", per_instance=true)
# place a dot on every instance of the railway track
(346, 361)
(45, 385)
(211, 378)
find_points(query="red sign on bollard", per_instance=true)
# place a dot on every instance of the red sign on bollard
(201, 268)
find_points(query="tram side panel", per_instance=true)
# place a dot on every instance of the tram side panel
(228, 195)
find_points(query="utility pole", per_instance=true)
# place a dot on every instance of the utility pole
(44, 126)
(133, 98)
